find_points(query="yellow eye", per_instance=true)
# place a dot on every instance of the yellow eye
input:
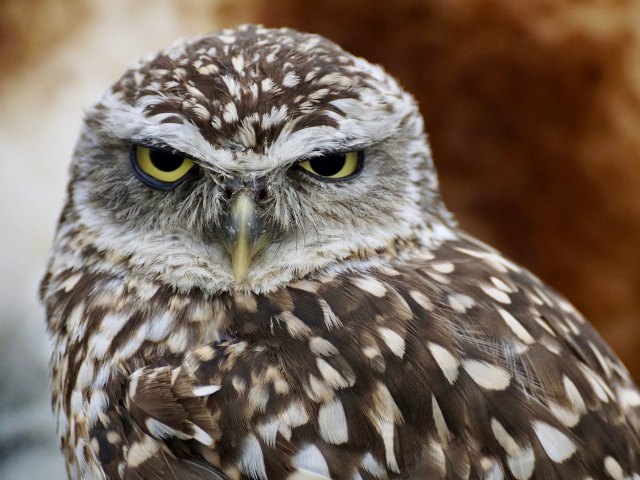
(334, 166)
(160, 169)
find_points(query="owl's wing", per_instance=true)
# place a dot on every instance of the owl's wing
(533, 384)
(170, 423)
(459, 364)
(151, 412)
(167, 424)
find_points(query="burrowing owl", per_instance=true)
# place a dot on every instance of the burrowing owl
(254, 277)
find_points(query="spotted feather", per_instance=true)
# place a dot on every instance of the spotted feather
(368, 337)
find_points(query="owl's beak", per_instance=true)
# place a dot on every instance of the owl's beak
(244, 237)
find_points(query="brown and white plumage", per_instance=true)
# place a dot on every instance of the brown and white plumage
(369, 338)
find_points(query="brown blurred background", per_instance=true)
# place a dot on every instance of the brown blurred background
(532, 107)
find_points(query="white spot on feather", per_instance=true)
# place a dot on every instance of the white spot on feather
(85, 375)
(318, 390)
(204, 390)
(310, 460)
(371, 286)
(371, 351)
(598, 385)
(613, 468)
(501, 285)
(394, 341)
(505, 440)
(438, 458)
(112, 323)
(228, 39)
(461, 302)
(543, 296)
(443, 267)
(332, 423)
(230, 114)
(322, 347)
(294, 415)
(330, 318)
(497, 295)
(290, 80)
(558, 446)
(567, 416)
(446, 361)
(208, 69)
(97, 405)
(516, 327)
(76, 322)
(141, 451)
(178, 340)
(161, 430)
(522, 463)
(494, 259)
(201, 112)
(295, 327)
(266, 84)
(384, 406)
(102, 376)
(258, 397)
(239, 384)
(441, 425)
(269, 431)
(628, 398)
(601, 360)
(493, 469)
(421, 300)
(387, 432)
(159, 327)
(252, 459)
(238, 63)
(486, 375)
(372, 466)
(201, 436)
(71, 282)
(332, 376)
(99, 344)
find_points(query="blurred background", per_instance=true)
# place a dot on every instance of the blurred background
(532, 107)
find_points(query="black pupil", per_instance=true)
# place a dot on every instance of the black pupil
(328, 165)
(165, 161)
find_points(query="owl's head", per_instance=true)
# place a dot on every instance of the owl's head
(247, 158)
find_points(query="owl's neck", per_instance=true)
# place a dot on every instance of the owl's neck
(110, 314)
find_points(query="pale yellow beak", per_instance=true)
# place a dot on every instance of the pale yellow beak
(244, 237)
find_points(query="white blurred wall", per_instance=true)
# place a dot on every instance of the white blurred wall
(41, 107)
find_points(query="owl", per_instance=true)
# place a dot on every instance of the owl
(255, 277)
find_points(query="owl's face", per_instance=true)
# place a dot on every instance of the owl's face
(243, 159)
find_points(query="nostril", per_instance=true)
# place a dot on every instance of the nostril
(228, 193)
(262, 193)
